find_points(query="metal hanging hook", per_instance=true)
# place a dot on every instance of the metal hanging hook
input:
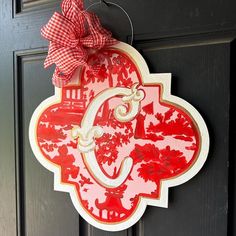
(103, 1)
(107, 3)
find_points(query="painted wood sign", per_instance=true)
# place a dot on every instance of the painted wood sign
(118, 140)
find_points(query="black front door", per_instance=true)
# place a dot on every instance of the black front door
(194, 40)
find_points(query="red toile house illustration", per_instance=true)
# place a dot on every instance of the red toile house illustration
(117, 140)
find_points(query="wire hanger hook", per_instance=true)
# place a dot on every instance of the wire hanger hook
(108, 4)
(103, 1)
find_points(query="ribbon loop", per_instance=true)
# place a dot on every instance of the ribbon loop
(72, 35)
(60, 30)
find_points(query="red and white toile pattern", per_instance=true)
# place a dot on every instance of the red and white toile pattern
(117, 140)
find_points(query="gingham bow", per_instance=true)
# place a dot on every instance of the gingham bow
(72, 35)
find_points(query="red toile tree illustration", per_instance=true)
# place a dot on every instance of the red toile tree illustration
(160, 141)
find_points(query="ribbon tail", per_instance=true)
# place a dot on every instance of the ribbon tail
(59, 79)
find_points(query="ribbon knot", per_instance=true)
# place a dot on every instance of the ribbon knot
(73, 35)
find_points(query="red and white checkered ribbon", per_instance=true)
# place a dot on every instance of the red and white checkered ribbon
(73, 35)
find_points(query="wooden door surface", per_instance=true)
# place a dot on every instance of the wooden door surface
(194, 40)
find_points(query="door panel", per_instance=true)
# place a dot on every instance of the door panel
(191, 39)
(7, 157)
(198, 207)
(45, 211)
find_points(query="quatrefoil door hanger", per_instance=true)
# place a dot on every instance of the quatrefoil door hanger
(117, 140)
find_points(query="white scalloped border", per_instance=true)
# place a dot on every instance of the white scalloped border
(161, 78)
